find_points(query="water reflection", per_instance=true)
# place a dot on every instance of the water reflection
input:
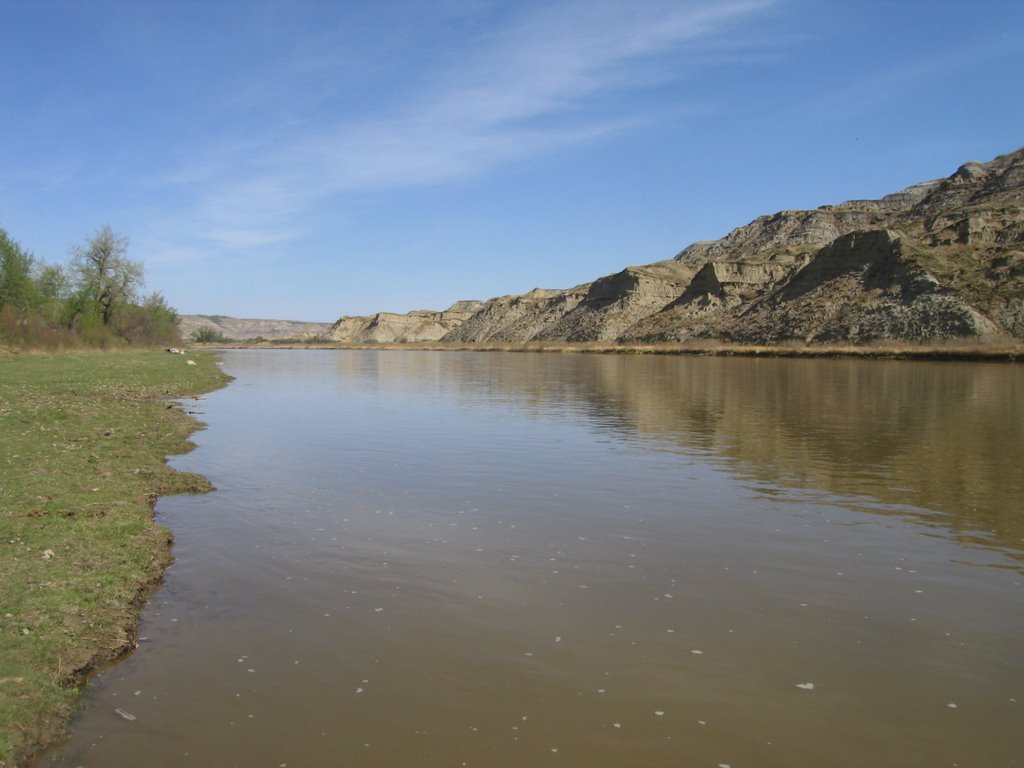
(919, 437)
(514, 559)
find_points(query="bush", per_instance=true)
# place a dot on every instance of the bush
(96, 304)
(206, 334)
(152, 323)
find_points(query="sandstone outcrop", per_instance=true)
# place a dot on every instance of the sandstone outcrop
(243, 329)
(939, 260)
(516, 319)
(614, 303)
(864, 286)
(420, 325)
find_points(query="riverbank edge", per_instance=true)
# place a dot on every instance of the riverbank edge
(1011, 351)
(46, 727)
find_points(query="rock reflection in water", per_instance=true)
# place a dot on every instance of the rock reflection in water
(919, 437)
(515, 559)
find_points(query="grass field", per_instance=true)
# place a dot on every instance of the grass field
(83, 437)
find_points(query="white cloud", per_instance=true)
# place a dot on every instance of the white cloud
(543, 81)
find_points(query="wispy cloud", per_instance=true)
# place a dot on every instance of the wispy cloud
(540, 82)
(896, 79)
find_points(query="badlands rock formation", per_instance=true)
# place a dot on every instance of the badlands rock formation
(242, 329)
(421, 325)
(942, 259)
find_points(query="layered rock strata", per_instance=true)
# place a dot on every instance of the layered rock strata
(421, 325)
(246, 329)
(943, 259)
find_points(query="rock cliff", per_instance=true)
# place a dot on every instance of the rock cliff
(939, 260)
(942, 259)
(242, 329)
(421, 325)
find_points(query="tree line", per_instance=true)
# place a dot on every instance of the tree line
(93, 301)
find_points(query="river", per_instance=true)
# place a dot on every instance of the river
(516, 559)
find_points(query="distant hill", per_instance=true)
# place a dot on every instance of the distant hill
(242, 329)
(939, 260)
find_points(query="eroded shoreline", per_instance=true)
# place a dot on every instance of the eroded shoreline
(87, 438)
(1011, 351)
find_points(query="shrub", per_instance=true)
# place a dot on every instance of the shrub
(206, 334)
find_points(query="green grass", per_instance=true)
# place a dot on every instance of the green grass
(83, 437)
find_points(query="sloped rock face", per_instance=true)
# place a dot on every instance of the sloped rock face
(718, 290)
(614, 303)
(421, 325)
(862, 287)
(518, 319)
(726, 285)
(244, 329)
(941, 259)
(971, 236)
(787, 235)
(951, 250)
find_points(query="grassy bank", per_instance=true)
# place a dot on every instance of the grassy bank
(83, 437)
(966, 349)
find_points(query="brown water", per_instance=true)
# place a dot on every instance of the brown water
(448, 559)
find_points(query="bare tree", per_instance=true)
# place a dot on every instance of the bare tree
(104, 273)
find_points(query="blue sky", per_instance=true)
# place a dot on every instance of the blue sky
(306, 160)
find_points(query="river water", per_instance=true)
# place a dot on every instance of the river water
(510, 559)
